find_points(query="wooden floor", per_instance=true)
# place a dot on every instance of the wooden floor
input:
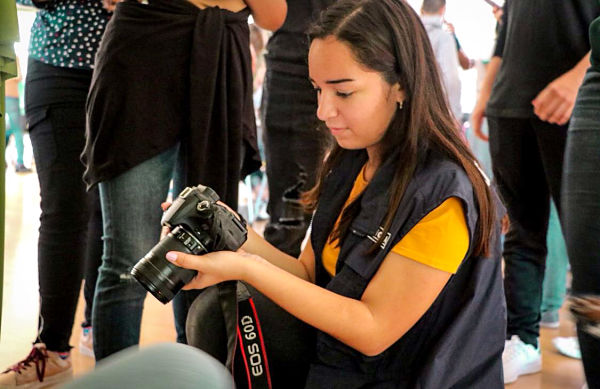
(20, 302)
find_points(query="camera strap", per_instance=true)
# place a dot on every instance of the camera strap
(228, 302)
(244, 331)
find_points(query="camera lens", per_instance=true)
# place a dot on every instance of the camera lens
(159, 276)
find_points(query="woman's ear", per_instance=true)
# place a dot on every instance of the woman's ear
(399, 95)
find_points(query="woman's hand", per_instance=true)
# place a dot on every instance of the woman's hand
(214, 267)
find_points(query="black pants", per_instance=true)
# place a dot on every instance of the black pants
(293, 144)
(70, 222)
(581, 208)
(527, 157)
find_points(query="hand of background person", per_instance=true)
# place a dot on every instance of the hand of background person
(554, 104)
(477, 117)
(586, 306)
(498, 14)
(110, 5)
(484, 95)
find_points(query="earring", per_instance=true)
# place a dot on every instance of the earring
(400, 104)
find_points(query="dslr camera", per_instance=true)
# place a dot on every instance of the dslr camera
(198, 225)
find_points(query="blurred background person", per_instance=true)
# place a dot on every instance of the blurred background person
(188, 64)
(64, 40)
(541, 55)
(294, 143)
(445, 50)
(581, 207)
(13, 119)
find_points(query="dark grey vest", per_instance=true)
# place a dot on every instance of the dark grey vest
(458, 342)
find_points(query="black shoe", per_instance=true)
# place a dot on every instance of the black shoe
(20, 168)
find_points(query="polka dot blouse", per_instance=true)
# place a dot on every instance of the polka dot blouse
(66, 33)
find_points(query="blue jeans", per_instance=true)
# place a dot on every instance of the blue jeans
(581, 204)
(131, 214)
(293, 144)
(557, 261)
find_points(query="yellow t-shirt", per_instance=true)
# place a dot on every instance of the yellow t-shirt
(439, 240)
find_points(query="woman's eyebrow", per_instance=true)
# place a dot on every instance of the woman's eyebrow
(339, 81)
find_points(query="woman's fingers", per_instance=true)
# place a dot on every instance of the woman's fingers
(186, 261)
(212, 268)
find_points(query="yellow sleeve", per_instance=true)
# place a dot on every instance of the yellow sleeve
(331, 252)
(440, 239)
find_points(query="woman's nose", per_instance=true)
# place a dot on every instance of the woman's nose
(326, 108)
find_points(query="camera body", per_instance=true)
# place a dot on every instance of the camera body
(198, 225)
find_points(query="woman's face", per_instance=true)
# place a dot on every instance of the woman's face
(355, 102)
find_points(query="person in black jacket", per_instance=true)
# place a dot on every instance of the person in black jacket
(401, 276)
(171, 98)
(539, 61)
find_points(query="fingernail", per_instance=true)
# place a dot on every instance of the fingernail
(171, 256)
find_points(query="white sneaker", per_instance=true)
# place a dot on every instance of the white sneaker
(519, 358)
(568, 346)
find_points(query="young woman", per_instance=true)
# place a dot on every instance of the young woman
(401, 275)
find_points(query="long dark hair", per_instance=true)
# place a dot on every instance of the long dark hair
(388, 36)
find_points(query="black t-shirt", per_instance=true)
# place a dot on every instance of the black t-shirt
(287, 48)
(538, 41)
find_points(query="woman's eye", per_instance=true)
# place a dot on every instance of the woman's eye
(344, 94)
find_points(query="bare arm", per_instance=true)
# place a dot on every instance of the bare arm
(463, 59)
(399, 294)
(484, 95)
(110, 5)
(465, 62)
(303, 267)
(554, 104)
(268, 14)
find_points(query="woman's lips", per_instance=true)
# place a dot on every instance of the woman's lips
(336, 130)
